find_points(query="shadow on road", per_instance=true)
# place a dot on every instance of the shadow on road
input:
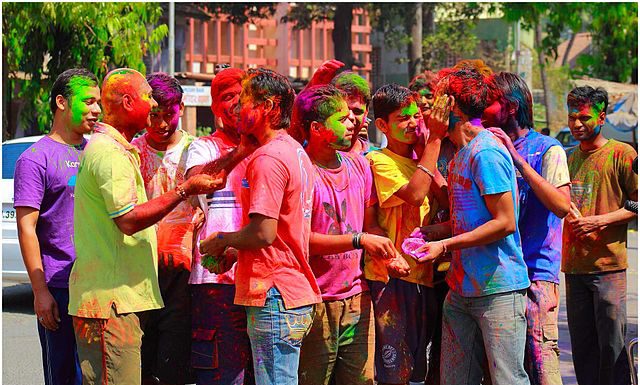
(17, 299)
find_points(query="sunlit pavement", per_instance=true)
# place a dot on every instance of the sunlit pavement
(22, 362)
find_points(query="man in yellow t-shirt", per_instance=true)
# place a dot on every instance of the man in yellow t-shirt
(114, 279)
(403, 307)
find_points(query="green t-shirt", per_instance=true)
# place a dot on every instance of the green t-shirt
(111, 268)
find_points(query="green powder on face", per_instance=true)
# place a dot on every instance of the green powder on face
(80, 91)
(410, 110)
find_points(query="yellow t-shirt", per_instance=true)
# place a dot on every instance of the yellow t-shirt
(111, 268)
(390, 173)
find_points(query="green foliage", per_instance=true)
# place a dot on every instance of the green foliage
(303, 14)
(240, 13)
(614, 28)
(42, 40)
(203, 131)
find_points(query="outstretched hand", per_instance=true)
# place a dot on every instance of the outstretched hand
(504, 138)
(204, 183)
(325, 72)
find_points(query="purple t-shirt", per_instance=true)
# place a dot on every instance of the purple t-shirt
(339, 200)
(45, 179)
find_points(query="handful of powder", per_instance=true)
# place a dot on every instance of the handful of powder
(410, 245)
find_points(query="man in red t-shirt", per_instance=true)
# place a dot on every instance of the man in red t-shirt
(273, 277)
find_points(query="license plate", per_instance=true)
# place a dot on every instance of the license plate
(8, 213)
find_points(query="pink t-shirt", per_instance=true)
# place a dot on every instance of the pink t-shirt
(222, 208)
(339, 200)
(280, 186)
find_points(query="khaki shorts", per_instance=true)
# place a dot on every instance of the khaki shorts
(109, 349)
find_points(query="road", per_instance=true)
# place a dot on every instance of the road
(21, 355)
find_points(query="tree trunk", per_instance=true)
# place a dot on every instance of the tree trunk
(414, 48)
(543, 74)
(342, 34)
(565, 57)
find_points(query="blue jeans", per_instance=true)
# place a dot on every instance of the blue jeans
(494, 324)
(59, 352)
(276, 335)
(597, 316)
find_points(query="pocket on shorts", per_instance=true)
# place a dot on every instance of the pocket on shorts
(295, 323)
(204, 349)
(550, 332)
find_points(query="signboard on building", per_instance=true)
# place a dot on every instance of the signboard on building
(196, 96)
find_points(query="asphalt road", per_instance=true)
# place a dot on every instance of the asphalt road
(22, 360)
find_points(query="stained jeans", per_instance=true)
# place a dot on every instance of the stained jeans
(276, 335)
(542, 355)
(470, 326)
(597, 315)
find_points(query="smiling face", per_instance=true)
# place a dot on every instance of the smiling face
(338, 129)
(225, 109)
(84, 105)
(403, 123)
(164, 122)
(585, 122)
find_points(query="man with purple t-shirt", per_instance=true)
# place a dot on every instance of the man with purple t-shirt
(44, 184)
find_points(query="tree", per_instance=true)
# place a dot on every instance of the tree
(41, 40)
(614, 33)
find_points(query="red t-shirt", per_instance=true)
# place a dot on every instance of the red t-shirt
(279, 185)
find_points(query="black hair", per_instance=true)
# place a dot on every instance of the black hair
(472, 91)
(513, 88)
(166, 90)
(390, 98)
(263, 84)
(62, 87)
(587, 95)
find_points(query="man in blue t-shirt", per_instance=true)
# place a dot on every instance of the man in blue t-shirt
(484, 311)
(543, 189)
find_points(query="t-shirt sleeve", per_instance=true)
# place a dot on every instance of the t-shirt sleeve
(388, 179)
(369, 188)
(629, 180)
(201, 152)
(115, 176)
(29, 183)
(268, 178)
(492, 172)
(554, 167)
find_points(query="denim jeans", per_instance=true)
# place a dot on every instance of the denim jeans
(597, 315)
(494, 324)
(542, 355)
(276, 335)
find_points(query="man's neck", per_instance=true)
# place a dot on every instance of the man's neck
(593, 144)
(399, 148)
(120, 126)
(61, 133)
(265, 136)
(322, 155)
(515, 132)
(469, 130)
(169, 144)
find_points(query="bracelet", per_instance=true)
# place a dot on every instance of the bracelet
(355, 241)
(423, 168)
(444, 246)
(181, 193)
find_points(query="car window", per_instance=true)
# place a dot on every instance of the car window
(10, 154)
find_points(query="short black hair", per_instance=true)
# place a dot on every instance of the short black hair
(263, 84)
(390, 98)
(317, 104)
(62, 87)
(514, 89)
(587, 95)
(166, 90)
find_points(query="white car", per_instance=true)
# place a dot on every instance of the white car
(12, 265)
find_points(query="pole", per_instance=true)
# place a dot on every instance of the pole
(172, 38)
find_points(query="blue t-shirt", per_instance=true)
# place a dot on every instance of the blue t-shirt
(483, 167)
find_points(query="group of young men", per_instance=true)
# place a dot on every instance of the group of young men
(284, 248)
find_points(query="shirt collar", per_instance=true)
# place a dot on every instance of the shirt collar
(114, 134)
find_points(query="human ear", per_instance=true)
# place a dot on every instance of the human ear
(382, 125)
(127, 102)
(61, 102)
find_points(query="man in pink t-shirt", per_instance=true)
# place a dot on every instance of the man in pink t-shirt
(273, 277)
(341, 342)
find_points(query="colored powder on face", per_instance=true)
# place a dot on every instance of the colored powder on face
(348, 81)
(338, 127)
(81, 88)
(410, 110)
